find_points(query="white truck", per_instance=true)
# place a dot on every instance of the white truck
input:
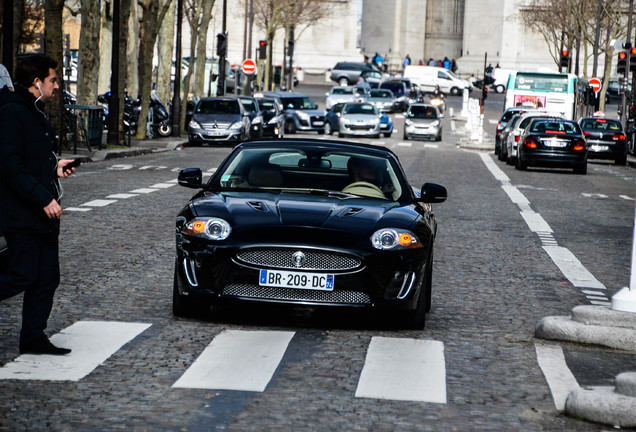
(427, 77)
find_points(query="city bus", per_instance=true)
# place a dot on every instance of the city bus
(555, 92)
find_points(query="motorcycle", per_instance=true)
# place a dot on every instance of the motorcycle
(158, 116)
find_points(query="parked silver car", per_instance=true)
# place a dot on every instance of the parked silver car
(423, 121)
(339, 94)
(359, 119)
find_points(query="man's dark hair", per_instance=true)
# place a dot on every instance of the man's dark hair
(32, 66)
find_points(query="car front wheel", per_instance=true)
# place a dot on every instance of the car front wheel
(328, 130)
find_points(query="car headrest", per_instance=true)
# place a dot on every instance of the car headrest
(265, 174)
(5, 78)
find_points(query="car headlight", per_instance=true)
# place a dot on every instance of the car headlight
(257, 120)
(408, 122)
(302, 115)
(236, 125)
(273, 120)
(344, 120)
(375, 121)
(208, 228)
(435, 123)
(194, 124)
(394, 239)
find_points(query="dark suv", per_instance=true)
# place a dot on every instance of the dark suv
(347, 73)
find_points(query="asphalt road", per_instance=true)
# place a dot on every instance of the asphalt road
(475, 363)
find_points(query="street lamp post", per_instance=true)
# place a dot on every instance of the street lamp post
(113, 103)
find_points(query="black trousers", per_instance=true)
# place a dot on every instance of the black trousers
(34, 269)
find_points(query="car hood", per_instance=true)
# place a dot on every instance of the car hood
(219, 118)
(360, 118)
(246, 210)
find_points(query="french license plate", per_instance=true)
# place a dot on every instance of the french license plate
(300, 280)
(555, 143)
(596, 147)
(421, 131)
(215, 133)
(319, 123)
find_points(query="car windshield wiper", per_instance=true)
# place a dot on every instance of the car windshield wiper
(321, 192)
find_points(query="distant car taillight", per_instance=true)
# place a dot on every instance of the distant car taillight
(517, 138)
(530, 143)
(618, 137)
(499, 128)
(580, 145)
(587, 133)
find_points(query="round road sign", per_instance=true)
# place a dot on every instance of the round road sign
(595, 83)
(248, 67)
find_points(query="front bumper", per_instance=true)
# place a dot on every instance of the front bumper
(218, 135)
(360, 130)
(313, 124)
(385, 281)
(422, 131)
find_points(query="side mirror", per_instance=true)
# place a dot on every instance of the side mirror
(433, 193)
(191, 178)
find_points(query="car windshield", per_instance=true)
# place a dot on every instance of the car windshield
(267, 105)
(423, 112)
(218, 106)
(385, 94)
(554, 127)
(360, 109)
(342, 90)
(299, 103)
(396, 88)
(249, 105)
(311, 170)
(601, 125)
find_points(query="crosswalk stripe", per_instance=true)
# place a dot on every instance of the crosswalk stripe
(559, 377)
(404, 369)
(91, 342)
(237, 360)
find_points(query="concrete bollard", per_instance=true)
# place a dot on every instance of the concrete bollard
(625, 299)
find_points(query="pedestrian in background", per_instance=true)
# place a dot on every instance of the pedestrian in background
(30, 193)
(446, 63)
(407, 61)
(453, 66)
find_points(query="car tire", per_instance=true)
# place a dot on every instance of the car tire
(343, 81)
(406, 137)
(341, 135)
(581, 169)
(387, 135)
(520, 165)
(500, 88)
(321, 131)
(438, 137)
(455, 91)
(328, 130)
(184, 306)
(290, 127)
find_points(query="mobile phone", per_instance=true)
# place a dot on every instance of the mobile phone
(74, 164)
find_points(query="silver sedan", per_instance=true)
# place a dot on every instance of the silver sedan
(360, 119)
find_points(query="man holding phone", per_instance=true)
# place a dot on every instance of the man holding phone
(30, 192)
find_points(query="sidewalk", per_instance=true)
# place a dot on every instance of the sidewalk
(137, 147)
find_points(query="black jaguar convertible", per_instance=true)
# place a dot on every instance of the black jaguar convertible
(307, 222)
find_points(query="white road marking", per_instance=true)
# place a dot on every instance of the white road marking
(405, 144)
(594, 195)
(144, 190)
(122, 196)
(557, 374)
(569, 265)
(162, 185)
(404, 369)
(152, 167)
(98, 203)
(493, 121)
(77, 209)
(427, 145)
(628, 198)
(237, 360)
(120, 167)
(91, 342)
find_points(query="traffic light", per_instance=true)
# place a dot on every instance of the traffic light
(221, 44)
(621, 66)
(290, 48)
(632, 60)
(262, 50)
(565, 59)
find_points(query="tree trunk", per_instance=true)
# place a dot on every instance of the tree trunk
(54, 48)
(199, 70)
(105, 49)
(88, 53)
(132, 50)
(188, 75)
(165, 45)
(153, 14)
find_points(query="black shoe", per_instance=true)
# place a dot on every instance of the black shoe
(43, 346)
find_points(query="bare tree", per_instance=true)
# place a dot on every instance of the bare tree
(165, 49)
(201, 57)
(153, 12)
(88, 53)
(105, 50)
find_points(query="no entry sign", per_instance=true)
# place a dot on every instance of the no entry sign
(595, 83)
(248, 67)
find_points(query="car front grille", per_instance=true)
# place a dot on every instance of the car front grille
(257, 292)
(219, 125)
(283, 258)
(360, 127)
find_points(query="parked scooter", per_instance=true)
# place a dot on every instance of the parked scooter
(158, 116)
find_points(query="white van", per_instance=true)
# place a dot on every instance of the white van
(427, 77)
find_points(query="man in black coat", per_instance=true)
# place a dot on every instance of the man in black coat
(30, 192)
